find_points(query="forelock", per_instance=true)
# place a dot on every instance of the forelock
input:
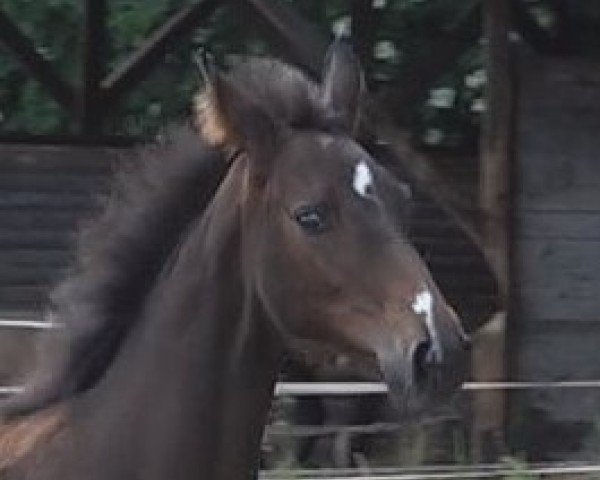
(289, 96)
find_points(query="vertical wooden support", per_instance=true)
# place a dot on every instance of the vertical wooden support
(94, 56)
(304, 40)
(489, 361)
(364, 20)
(496, 142)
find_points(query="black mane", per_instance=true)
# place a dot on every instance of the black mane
(119, 257)
(120, 254)
(285, 92)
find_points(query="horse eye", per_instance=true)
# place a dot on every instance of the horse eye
(312, 218)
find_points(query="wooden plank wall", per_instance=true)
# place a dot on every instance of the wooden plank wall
(44, 192)
(557, 252)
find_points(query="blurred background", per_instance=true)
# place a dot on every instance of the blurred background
(490, 109)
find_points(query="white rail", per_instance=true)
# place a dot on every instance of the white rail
(308, 389)
(28, 324)
(458, 473)
(298, 389)
(10, 390)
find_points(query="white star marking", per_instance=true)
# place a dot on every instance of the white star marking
(363, 179)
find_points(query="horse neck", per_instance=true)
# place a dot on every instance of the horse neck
(204, 365)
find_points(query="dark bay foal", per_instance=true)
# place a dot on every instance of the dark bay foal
(277, 227)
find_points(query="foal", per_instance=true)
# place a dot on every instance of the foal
(283, 230)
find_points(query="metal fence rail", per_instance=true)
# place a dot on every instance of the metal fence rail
(308, 389)
(298, 389)
(588, 471)
(28, 324)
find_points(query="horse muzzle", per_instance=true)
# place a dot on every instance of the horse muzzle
(423, 373)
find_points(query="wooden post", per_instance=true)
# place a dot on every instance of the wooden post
(489, 362)
(94, 55)
(364, 20)
(306, 43)
(496, 142)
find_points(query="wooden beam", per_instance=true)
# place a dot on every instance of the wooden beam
(94, 57)
(42, 70)
(496, 142)
(308, 44)
(489, 360)
(364, 23)
(140, 63)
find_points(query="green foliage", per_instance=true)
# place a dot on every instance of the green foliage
(403, 39)
(450, 117)
(54, 28)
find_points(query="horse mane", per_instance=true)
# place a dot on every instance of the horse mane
(121, 253)
(119, 256)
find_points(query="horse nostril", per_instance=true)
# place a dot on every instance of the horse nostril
(422, 358)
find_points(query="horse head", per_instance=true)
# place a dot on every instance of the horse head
(324, 235)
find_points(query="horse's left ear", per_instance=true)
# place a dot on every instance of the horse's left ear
(228, 117)
(343, 84)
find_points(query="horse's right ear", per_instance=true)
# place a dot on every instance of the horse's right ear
(227, 116)
(343, 84)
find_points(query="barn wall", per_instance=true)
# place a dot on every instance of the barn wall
(557, 251)
(45, 191)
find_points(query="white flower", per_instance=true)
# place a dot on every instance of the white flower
(441, 97)
(478, 105)
(476, 79)
(385, 50)
(154, 109)
(342, 26)
(433, 136)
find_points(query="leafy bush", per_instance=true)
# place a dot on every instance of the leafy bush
(405, 36)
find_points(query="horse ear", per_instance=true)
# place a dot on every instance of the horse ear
(343, 83)
(227, 116)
